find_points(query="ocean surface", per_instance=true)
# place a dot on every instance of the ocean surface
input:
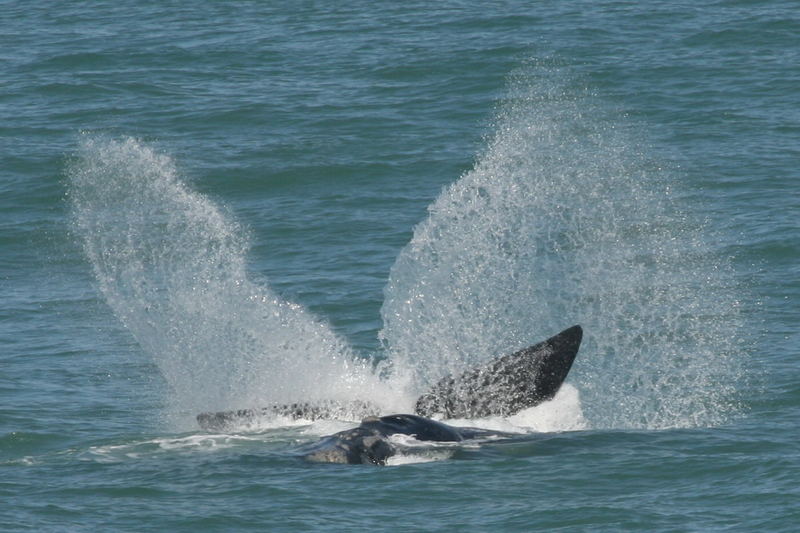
(222, 205)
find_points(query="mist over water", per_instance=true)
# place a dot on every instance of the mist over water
(563, 220)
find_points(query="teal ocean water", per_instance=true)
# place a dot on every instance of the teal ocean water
(223, 205)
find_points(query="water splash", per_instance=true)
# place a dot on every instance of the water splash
(172, 267)
(564, 221)
(561, 221)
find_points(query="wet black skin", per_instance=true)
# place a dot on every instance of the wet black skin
(369, 443)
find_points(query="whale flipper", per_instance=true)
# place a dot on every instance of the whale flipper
(505, 385)
(326, 409)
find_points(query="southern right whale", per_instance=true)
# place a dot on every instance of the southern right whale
(504, 386)
(370, 442)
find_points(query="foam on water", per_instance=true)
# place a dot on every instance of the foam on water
(563, 221)
(412, 451)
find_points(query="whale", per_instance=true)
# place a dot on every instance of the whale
(504, 386)
(305, 410)
(371, 442)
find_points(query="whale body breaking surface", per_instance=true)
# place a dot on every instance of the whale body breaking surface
(502, 387)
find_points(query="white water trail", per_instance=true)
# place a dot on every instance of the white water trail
(171, 265)
(563, 221)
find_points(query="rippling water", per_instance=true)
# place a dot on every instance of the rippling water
(214, 206)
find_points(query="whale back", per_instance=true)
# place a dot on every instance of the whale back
(370, 442)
